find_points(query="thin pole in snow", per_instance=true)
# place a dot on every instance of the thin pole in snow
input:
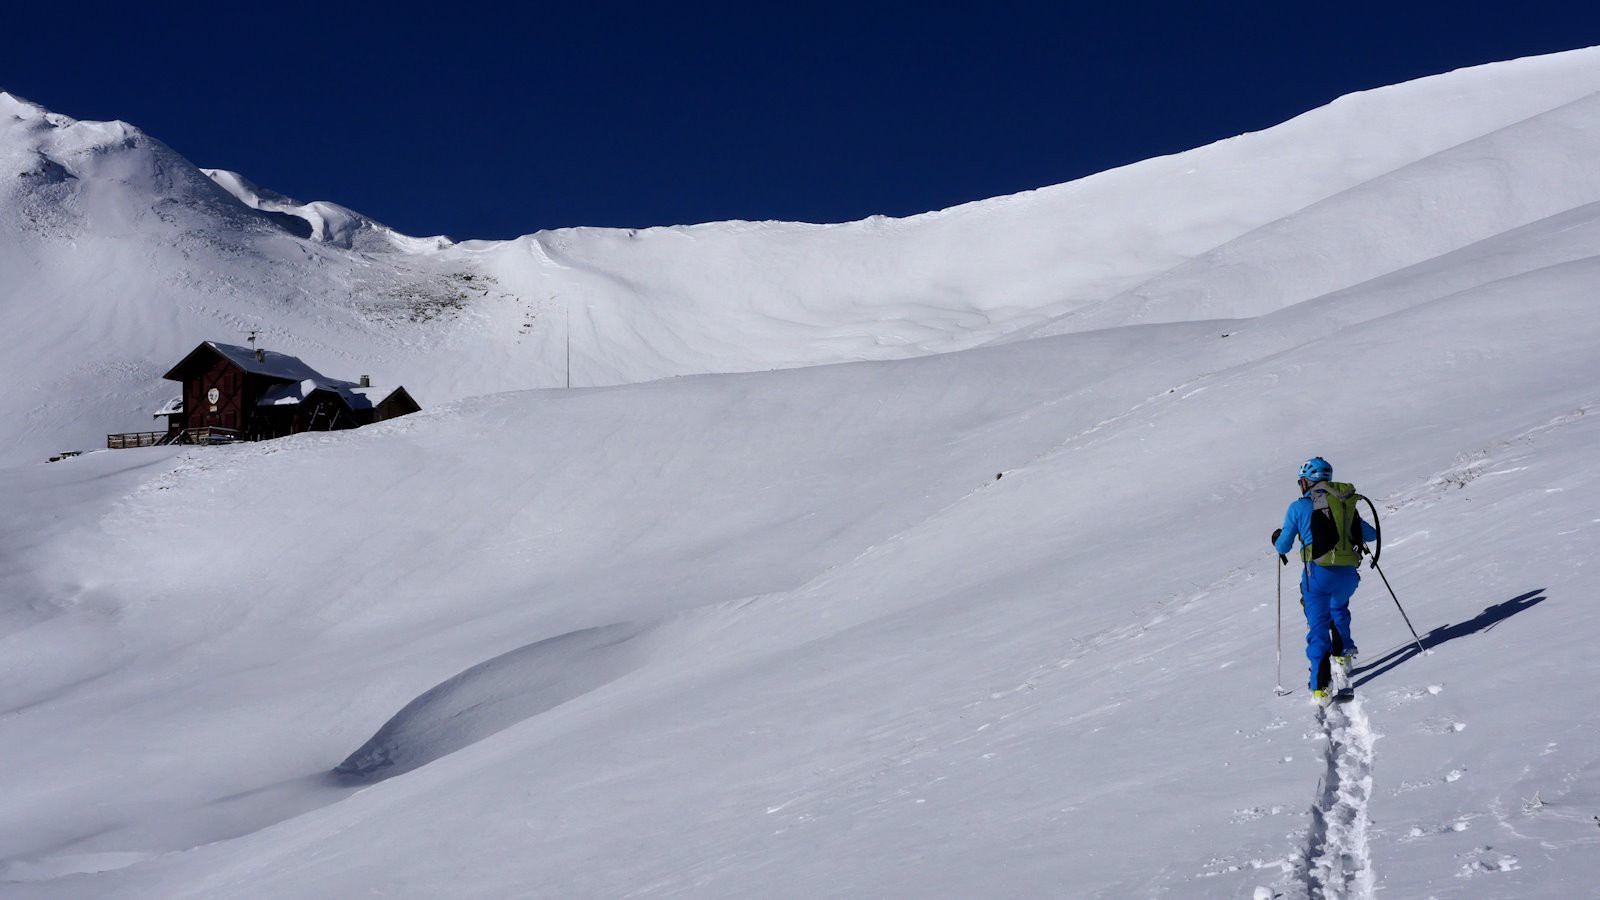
(1279, 690)
(568, 330)
(1420, 649)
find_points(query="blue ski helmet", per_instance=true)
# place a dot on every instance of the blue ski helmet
(1317, 469)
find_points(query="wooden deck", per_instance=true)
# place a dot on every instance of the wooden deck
(130, 439)
(135, 439)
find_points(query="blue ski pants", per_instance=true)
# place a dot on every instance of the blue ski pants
(1325, 592)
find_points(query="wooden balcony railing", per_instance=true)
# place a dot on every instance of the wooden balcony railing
(135, 439)
(208, 435)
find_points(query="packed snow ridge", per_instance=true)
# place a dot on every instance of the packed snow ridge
(322, 221)
(942, 573)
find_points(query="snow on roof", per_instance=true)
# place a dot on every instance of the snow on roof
(368, 397)
(271, 364)
(172, 407)
(355, 396)
(290, 394)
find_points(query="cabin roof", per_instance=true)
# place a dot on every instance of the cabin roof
(354, 396)
(373, 397)
(294, 392)
(272, 364)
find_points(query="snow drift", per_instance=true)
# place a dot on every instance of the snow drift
(495, 695)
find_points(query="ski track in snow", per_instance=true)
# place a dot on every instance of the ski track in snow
(1337, 861)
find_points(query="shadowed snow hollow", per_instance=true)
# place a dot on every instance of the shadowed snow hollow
(497, 694)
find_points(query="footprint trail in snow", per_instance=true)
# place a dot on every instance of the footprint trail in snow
(1338, 863)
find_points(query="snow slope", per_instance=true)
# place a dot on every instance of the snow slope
(787, 633)
(120, 256)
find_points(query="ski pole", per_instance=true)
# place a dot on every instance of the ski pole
(1281, 563)
(1420, 648)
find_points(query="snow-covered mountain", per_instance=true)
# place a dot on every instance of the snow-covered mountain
(988, 610)
(120, 256)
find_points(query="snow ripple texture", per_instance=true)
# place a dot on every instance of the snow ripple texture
(1338, 863)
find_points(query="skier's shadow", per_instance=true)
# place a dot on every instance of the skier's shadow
(1483, 621)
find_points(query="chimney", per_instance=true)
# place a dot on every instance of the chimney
(366, 381)
(261, 355)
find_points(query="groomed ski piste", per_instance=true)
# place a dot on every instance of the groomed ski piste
(900, 558)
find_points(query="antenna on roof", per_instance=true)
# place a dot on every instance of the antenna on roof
(260, 354)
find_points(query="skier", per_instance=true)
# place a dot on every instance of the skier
(1321, 519)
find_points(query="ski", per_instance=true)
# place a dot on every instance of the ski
(1339, 683)
(1338, 689)
(1325, 699)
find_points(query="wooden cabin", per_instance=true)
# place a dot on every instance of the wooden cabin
(252, 394)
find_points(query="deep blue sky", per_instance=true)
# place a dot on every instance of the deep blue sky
(483, 124)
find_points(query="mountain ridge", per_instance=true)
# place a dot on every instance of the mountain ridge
(155, 255)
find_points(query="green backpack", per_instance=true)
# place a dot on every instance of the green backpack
(1335, 532)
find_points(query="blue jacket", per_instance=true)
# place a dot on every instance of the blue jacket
(1297, 523)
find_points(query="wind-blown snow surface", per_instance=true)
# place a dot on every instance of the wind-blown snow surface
(787, 634)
